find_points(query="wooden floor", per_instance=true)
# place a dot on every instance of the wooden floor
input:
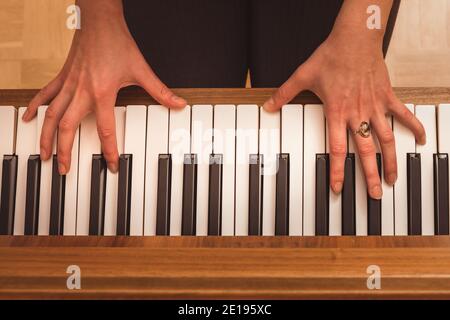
(34, 42)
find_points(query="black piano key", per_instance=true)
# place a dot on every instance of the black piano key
(57, 200)
(98, 195)
(8, 195)
(414, 191)
(255, 201)
(322, 194)
(215, 195)
(164, 189)
(32, 195)
(441, 194)
(349, 197)
(282, 196)
(124, 195)
(374, 209)
(189, 211)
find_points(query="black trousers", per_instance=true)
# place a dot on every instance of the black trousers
(214, 43)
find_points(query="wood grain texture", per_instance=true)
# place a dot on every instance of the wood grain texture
(34, 31)
(186, 268)
(419, 52)
(133, 95)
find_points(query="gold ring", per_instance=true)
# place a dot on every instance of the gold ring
(364, 130)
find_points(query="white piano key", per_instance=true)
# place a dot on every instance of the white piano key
(71, 191)
(179, 145)
(360, 192)
(427, 115)
(8, 116)
(89, 145)
(224, 143)
(292, 143)
(387, 202)
(46, 178)
(443, 128)
(135, 135)
(405, 143)
(25, 146)
(112, 179)
(335, 222)
(201, 144)
(247, 122)
(157, 143)
(314, 143)
(269, 147)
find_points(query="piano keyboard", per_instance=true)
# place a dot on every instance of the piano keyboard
(219, 170)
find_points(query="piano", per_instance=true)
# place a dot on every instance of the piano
(222, 200)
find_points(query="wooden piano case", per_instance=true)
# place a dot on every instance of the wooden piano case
(226, 267)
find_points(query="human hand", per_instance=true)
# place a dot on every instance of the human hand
(103, 59)
(351, 78)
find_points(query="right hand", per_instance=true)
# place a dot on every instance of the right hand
(103, 59)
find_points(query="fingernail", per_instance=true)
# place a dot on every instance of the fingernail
(113, 167)
(269, 104)
(391, 178)
(377, 192)
(62, 169)
(178, 100)
(423, 140)
(25, 116)
(338, 187)
(43, 154)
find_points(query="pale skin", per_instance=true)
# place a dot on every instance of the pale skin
(347, 72)
(349, 75)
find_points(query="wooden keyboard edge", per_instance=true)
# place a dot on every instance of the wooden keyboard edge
(228, 242)
(133, 95)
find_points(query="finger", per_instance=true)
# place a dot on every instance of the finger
(45, 95)
(387, 144)
(338, 151)
(158, 90)
(106, 128)
(77, 110)
(53, 115)
(367, 154)
(296, 83)
(407, 118)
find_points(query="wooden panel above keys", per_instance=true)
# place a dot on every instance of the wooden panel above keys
(137, 96)
(224, 267)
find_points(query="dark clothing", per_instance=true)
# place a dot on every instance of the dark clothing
(213, 43)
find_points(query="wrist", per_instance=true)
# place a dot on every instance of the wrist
(100, 11)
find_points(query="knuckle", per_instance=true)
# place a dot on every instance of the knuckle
(66, 125)
(406, 114)
(386, 137)
(63, 156)
(51, 114)
(105, 132)
(110, 155)
(281, 94)
(366, 150)
(165, 92)
(338, 150)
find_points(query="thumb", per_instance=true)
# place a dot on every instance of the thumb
(148, 80)
(296, 83)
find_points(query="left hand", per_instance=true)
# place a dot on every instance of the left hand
(352, 80)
